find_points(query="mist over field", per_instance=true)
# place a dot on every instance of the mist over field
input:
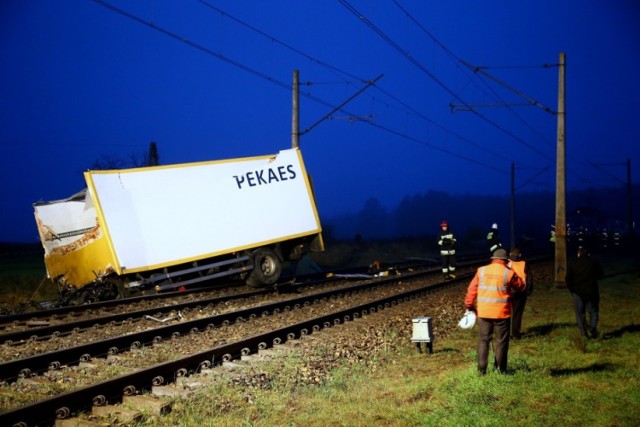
(470, 216)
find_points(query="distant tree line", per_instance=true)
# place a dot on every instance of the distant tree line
(470, 216)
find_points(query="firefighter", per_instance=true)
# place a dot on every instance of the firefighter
(489, 291)
(616, 239)
(493, 238)
(447, 245)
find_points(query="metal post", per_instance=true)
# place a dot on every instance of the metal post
(295, 113)
(561, 212)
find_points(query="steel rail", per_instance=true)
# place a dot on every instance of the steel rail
(28, 366)
(46, 411)
(76, 309)
(81, 325)
(62, 329)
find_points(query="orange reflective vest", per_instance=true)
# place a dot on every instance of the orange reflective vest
(490, 289)
(519, 268)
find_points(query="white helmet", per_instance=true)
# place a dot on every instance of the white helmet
(468, 320)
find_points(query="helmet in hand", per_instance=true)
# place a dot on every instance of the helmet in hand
(468, 320)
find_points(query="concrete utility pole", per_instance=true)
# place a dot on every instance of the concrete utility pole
(295, 113)
(561, 207)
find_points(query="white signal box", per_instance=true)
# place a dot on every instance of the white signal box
(423, 333)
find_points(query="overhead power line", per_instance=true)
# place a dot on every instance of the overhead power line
(425, 70)
(543, 170)
(371, 83)
(529, 99)
(479, 70)
(350, 75)
(192, 44)
(280, 42)
(281, 83)
(530, 103)
(210, 52)
(459, 60)
(606, 172)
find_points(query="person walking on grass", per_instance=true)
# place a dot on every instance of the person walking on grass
(519, 299)
(582, 277)
(488, 294)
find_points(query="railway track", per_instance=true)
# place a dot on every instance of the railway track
(25, 367)
(227, 348)
(288, 326)
(46, 324)
(213, 287)
(46, 331)
(142, 380)
(53, 323)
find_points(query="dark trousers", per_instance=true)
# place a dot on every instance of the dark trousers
(486, 329)
(518, 301)
(581, 307)
(448, 264)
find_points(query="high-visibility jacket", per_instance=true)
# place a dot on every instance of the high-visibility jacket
(490, 289)
(521, 268)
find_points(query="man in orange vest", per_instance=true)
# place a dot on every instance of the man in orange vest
(519, 299)
(490, 290)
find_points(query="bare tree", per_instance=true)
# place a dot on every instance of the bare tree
(136, 160)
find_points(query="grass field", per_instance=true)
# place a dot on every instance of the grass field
(23, 278)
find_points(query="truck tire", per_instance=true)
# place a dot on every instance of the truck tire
(266, 268)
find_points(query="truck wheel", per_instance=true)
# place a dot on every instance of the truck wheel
(266, 268)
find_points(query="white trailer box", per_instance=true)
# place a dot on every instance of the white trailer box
(144, 219)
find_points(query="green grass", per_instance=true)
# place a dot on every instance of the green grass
(23, 278)
(555, 378)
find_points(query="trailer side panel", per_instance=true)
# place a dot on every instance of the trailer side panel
(163, 216)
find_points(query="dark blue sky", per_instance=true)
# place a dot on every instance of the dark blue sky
(211, 80)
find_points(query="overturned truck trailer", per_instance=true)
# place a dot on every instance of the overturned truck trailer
(169, 227)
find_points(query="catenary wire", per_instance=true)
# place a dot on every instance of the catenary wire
(350, 75)
(475, 70)
(440, 83)
(459, 60)
(280, 83)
